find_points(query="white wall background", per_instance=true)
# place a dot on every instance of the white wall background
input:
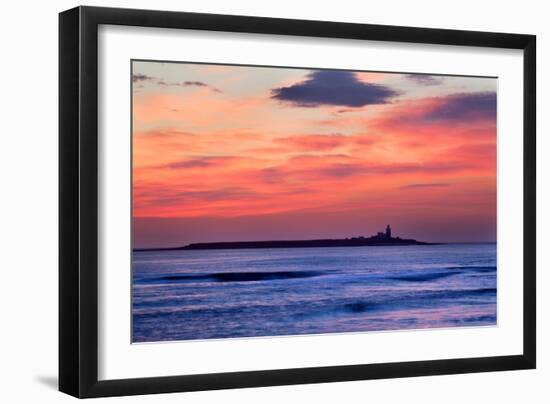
(28, 206)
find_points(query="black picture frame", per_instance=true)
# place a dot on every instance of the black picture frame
(78, 201)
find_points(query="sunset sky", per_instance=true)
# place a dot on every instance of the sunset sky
(226, 153)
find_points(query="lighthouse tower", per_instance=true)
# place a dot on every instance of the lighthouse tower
(388, 231)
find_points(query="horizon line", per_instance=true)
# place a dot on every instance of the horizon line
(159, 248)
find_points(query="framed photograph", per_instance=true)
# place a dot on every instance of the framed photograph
(251, 201)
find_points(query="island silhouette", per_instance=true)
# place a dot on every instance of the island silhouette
(379, 239)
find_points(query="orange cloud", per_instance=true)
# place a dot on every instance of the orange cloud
(201, 154)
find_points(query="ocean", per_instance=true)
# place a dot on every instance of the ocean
(205, 294)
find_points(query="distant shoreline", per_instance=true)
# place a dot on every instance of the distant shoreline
(321, 243)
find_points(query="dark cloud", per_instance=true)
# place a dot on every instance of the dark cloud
(200, 162)
(178, 198)
(333, 87)
(350, 169)
(464, 107)
(425, 79)
(426, 185)
(195, 83)
(346, 170)
(218, 194)
(273, 175)
(188, 83)
(342, 170)
(141, 77)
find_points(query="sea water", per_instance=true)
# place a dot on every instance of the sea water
(184, 295)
